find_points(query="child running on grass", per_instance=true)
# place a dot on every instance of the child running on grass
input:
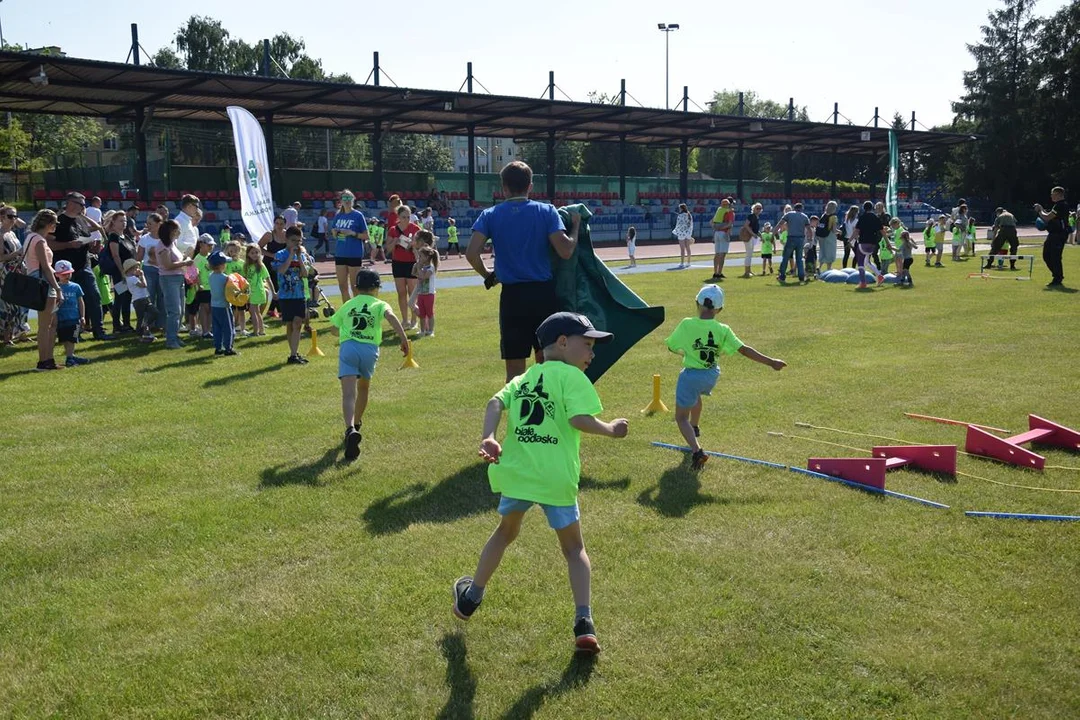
(700, 340)
(452, 239)
(359, 323)
(548, 407)
(766, 248)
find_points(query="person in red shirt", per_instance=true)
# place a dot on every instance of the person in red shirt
(399, 241)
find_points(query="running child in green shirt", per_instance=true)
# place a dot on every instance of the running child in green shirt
(766, 248)
(452, 239)
(700, 340)
(928, 239)
(548, 407)
(359, 323)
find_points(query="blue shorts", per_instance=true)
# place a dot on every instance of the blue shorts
(721, 242)
(558, 517)
(693, 383)
(357, 359)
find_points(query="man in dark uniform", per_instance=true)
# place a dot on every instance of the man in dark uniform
(1057, 232)
(1004, 234)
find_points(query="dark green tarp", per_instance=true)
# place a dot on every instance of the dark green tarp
(584, 285)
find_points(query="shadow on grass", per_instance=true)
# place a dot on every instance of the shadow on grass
(576, 675)
(463, 494)
(677, 493)
(460, 678)
(1061, 289)
(239, 377)
(16, 373)
(306, 474)
(187, 362)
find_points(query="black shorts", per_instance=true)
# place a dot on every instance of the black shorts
(402, 269)
(292, 309)
(907, 263)
(766, 256)
(202, 297)
(522, 307)
(192, 308)
(67, 333)
(452, 245)
(348, 261)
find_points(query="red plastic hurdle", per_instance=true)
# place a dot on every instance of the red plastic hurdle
(871, 472)
(1040, 431)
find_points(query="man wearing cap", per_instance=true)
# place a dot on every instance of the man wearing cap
(71, 242)
(521, 231)
(539, 460)
(1004, 234)
(1057, 232)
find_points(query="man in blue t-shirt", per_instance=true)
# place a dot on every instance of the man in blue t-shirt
(521, 232)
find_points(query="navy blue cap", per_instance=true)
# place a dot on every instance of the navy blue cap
(569, 324)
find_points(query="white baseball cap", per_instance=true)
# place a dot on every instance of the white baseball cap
(713, 294)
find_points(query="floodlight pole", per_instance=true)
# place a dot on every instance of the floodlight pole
(142, 175)
(667, 29)
(550, 177)
(684, 153)
(622, 146)
(377, 181)
(471, 137)
(740, 155)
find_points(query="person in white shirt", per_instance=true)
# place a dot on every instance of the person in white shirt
(188, 219)
(93, 211)
(322, 227)
(291, 215)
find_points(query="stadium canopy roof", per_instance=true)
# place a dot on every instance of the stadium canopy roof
(118, 91)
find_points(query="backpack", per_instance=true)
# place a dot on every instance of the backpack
(822, 230)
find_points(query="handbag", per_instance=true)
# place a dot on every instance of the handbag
(24, 290)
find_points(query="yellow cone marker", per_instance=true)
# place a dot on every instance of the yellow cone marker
(409, 361)
(657, 405)
(315, 344)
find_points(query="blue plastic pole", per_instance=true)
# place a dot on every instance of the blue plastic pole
(752, 461)
(860, 486)
(1023, 516)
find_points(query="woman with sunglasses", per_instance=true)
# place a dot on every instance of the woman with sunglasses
(12, 317)
(350, 229)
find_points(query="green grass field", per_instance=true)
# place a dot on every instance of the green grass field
(179, 536)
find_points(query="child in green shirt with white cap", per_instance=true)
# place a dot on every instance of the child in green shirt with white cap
(700, 340)
(539, 461)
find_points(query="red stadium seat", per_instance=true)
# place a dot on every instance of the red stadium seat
(234, 204)
(305, 194)
(40, 195)
(172, 195)
(210, 217)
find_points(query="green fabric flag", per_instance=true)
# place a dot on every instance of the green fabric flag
(585, 285)
(891, 189)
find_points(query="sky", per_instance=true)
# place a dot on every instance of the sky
(817, 53)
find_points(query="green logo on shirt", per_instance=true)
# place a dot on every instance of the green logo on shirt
(707, 350)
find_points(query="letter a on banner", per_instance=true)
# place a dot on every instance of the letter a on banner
(256, 200)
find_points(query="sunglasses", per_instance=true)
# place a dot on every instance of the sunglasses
(11, 216)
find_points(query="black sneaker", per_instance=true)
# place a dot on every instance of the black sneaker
(697, 431)
(230, 351)
(303, 360)
(352, 443)
(698, 459)
(45, 365)
(585, 636)
(463, 606)
(219, 352)
(294, 360)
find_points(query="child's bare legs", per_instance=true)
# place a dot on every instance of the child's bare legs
(293, 329)
(354, 399)
(686, 424)
(342, 274)
(577, 564)
(204, 318)
(257, 318)
(69, 349)
(492, 554)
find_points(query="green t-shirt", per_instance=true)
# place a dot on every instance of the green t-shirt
(541, 460)
(783, 238)
(224, 237)
(234, 266)
(104, 286)
(377, 235)
(189, 295)
(451, 234)
(928, 237)
(203, 266)
(766, 243)
(883, 250)
(361, 320)
(256, 275)
(699, 340)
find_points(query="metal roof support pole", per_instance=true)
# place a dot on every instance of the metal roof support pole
(550, 175)
(873, 176)
(268, 121)
(142, 174)
(684, 171)
(472, 162)
(789, 171)
(377, 180)
(375, 67)
(832, 164)
(739, 172)
(622, 146)
(911, 167)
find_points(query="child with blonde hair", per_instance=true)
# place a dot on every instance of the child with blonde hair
(259, 286)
